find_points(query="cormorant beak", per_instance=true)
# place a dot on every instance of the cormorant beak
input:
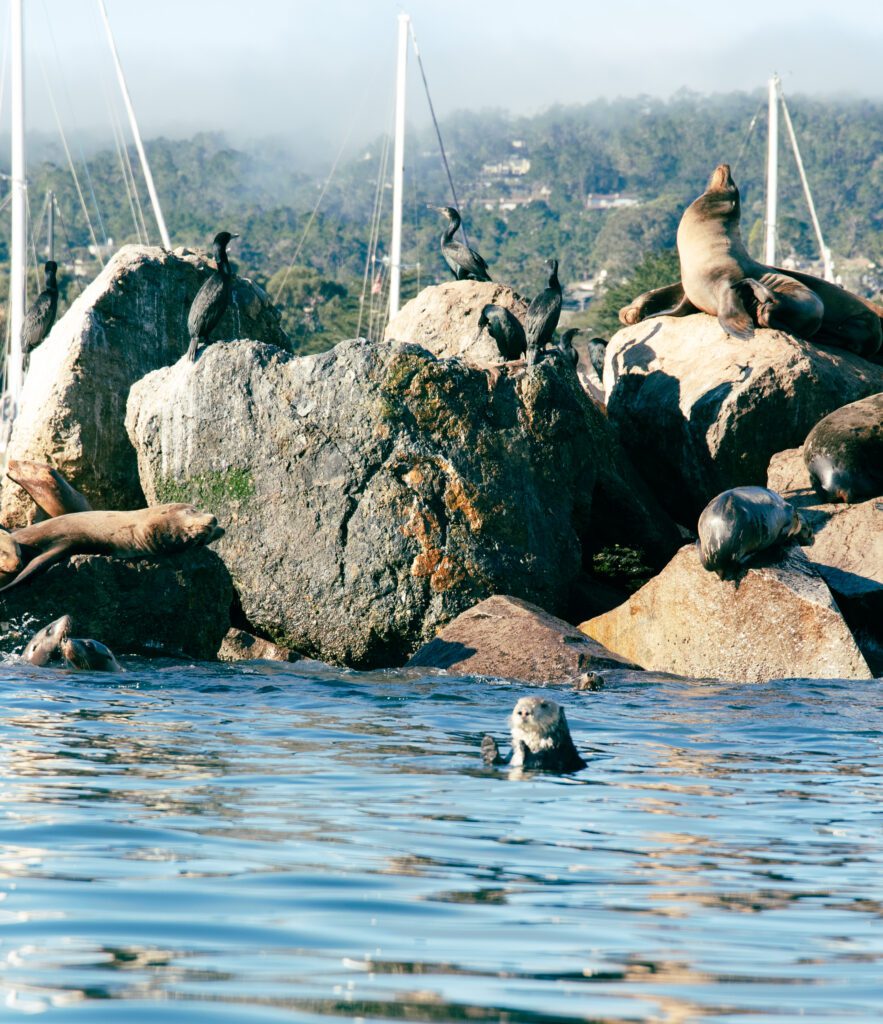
(233, 236)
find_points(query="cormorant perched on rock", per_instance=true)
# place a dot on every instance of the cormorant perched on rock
(597, 354)
(41, 316)
(506, 330)
(213, 297)
(565, 345)
(542, 316)
(465, 263)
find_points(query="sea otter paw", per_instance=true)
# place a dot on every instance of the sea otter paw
(490, 752)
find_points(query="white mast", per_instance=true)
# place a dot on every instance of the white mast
(18, 241)
(772, 172)
(130, 110)
(398, 170)
(827, 262)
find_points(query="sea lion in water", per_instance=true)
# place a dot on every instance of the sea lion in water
(52, 494)
(739, 523)
(160, 530)
(45, 645)
(89, 656)
(718, 276)
(540, 739)
(844, 451)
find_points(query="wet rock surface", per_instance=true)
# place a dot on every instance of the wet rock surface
(777, 620)
(240, 645)
(177, 606)
(700, 412)
(502, 636)
(372, 493)
(130, 320)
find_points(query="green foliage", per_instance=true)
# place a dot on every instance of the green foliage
(654, 271)
(623, 566)
(208, 490)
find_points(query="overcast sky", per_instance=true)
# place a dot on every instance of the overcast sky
(309, 72)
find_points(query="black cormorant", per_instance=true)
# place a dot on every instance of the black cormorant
(542, 316)
(41, 316)
(565, 344)
(213, 297)
(506, 330)
(465, 263)
(597, 353)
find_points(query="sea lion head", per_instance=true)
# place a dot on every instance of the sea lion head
(719, 201)
(10, 554)
(46, 644)
(88, 655)
(537, 720)
(178, 527)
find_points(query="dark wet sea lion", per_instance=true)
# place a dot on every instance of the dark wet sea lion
(844, 452)
(45, 645)
(49, 489)
(718, 276)
(540, 739)
(89, 656)
(741, 522)
(160, 530)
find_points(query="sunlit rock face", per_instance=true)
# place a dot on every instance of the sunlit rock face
(776, 620)
(130, 320)
(700, 412)
(373, 492)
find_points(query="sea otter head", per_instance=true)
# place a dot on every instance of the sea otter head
(179, 527)
(537, 722)
(720, 200)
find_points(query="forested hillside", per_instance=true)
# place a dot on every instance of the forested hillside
(599, 186)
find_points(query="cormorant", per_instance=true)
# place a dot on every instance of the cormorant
(542, 316)
(465, 263)
(41, 316)
(597, 354)
(565, 345)
(213, 297)
(506, 330)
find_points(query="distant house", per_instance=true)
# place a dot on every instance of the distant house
(610, 201)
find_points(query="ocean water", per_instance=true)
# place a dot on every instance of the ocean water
(276, 843)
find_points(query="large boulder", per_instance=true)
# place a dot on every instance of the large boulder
(373, 492)
(443, 319)
(177, 606)
(130, 320)
(778, 620)
(700, 412)
(502, 636)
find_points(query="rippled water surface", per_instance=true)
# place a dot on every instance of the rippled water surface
(287, 843)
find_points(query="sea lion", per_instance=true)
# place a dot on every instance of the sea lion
(718, 276)
(45, 646)
(52, 494)
(844, 451)
(89, 656)
(540, 739)
(11, 560)
(739, 523)
(146, 532)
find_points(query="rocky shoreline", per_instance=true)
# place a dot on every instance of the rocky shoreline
(419, 499)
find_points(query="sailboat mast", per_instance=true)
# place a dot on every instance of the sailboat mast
(18, 241)
(50, 225)
(398, 171)
(772, 172)
(133, 123)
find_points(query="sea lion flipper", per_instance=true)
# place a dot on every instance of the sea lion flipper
(39, 564)
(651, 303)
(731, 313)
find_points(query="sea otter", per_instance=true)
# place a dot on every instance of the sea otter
(540, 739)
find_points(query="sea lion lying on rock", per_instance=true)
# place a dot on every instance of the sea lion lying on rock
(88, 656)
(540, 739)
(147, 532)
(719, 277)
(44, 646)
(52, 494)
(741, 522)
(844, 452)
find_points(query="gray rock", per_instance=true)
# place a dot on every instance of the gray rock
(700, 412)
(130, 320)
(177, 606)
(372, 493)
(240, 645)
(778, 620)
(512, 639)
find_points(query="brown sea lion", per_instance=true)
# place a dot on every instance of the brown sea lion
(89, 656)
(49, 489)
(11, 560)
(740, 523)
(45, 645)
(147, 532)
(844, 452)
(540, 739)
(720, 278)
